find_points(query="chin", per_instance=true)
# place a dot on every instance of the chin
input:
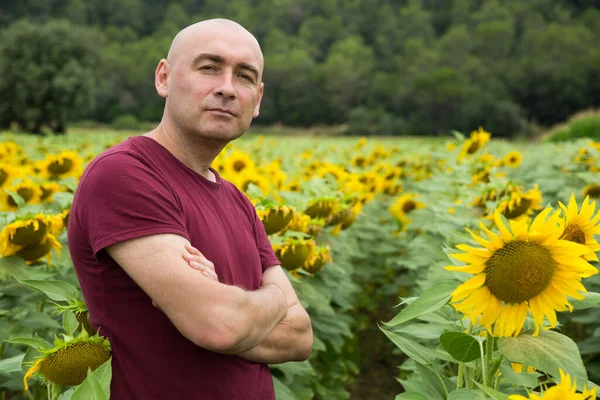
(220, 132)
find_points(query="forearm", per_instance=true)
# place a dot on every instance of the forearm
(256, 317)
(290, 340)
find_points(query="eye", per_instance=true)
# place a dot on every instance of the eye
(208, 68)
(246, 77)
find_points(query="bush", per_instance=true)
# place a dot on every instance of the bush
(126, 122)
(582, 125)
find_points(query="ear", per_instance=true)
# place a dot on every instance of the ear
(257, 107)
(161, 78)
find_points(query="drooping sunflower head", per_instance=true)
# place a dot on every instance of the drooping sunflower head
(295, 253)
(276, 219)
(28, 230)
(360, 161)
(67, 363)
(564, 390)
(322, 207)
(321, 256)
(65, 164)
(527, 268)
(581, 225)
(513, 159)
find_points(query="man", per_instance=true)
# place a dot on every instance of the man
(142, 209)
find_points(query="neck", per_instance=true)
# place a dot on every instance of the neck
(195, 152)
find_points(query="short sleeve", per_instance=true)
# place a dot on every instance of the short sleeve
(121, 198)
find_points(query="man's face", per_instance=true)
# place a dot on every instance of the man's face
(215, 83)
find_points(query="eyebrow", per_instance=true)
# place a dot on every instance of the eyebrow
(220, 60)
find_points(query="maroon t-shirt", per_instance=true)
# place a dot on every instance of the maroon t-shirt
(139, 188)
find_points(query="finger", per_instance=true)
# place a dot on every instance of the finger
(204, 268)
(192, 249)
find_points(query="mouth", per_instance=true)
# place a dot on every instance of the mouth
(222, 111)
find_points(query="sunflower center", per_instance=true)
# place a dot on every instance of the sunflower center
(3, 176)
(593, 191)
(408, 206)
(519, 210)
(239, 165)
(61, 166)
(473, 147)
(573, 233)
(519, 271)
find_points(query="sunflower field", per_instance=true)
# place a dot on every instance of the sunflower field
(474, 260)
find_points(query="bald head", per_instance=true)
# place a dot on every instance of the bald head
(190, 37)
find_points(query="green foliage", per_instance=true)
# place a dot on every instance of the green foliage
(383, 68)
(585, 126)
(47, 72)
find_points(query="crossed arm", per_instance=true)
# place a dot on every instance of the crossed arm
(268, 325)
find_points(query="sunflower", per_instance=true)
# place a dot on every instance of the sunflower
(29, 191)
(527, 268)
(565, 390)
(321, 256)
(7, 173)
(513, 159)
(48, 189)
(276, 219)
(403, 206)
(237, 162)
(520, 204)
(67, 363)
(592, 190)
(243, 181)
(322, 208)
(360, 161)
(582, 225)
(295, 253)
(65, 164)
(475, 142)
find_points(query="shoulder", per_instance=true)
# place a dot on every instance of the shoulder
(129, 158)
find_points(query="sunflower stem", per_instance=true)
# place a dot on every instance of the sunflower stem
(489, 352)
(495, 366)
(483, 364)
(461, 372)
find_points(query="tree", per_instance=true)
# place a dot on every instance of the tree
(46, 74)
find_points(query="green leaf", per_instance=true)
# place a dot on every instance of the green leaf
(547, 352)
(70, 322)
(466, 394)
(520, 379)
(30, 356)
(414, 350)
(14, 266)
(429, 378)
(12, 364)
(35, 342)
(282, 391)
(462, 346)
(97, 384)
(494, 394)
(17, 198)
(411, 396)
(591, 300)
(430, 300)
(68, 395)
(39, 320)
(56, 290)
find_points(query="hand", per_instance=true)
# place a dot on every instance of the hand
(197, 261)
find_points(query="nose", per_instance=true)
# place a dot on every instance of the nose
(224, 87)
